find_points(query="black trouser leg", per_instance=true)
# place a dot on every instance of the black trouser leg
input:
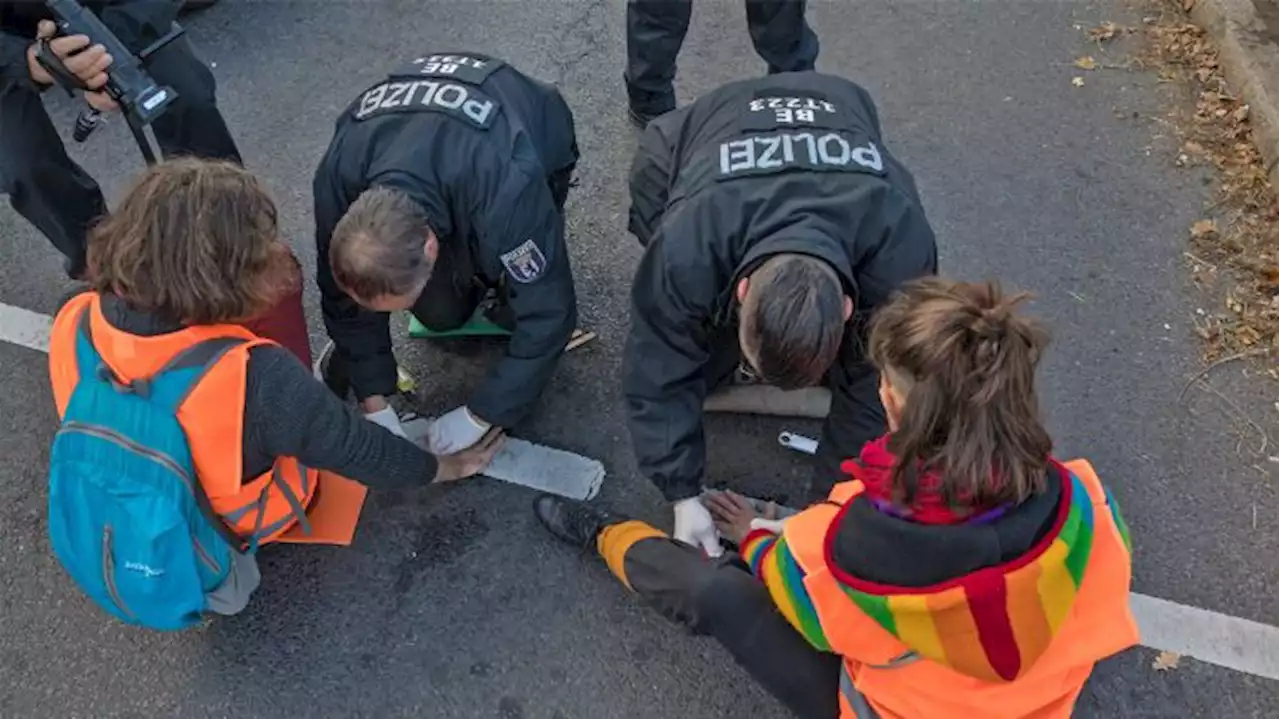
(192, 125)
(856, 418)
(781, 35)
(452, 294)
(725, 601)
(45, 185)
(655, 32)
(649, 178)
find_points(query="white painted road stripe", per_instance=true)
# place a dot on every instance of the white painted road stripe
(1219, 639)
(24, 327)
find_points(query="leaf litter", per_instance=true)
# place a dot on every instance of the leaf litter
(1232, 248)
(1166, 661)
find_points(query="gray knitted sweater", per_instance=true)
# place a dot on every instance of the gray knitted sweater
(288, 413)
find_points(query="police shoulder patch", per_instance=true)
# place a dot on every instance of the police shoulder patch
(525, 263)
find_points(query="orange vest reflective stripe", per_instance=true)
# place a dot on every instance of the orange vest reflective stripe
(884, 678)
(259, 510)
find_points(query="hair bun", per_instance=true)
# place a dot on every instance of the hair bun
(991, 323)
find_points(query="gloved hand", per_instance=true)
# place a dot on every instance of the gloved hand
(455, 431)
(694, 526)
(386, 417)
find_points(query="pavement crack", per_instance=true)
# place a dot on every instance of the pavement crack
(579, 28)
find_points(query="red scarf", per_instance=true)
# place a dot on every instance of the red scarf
(874, 468)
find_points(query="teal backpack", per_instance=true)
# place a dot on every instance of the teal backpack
(128, 518)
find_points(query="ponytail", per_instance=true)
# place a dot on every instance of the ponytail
(968, 364)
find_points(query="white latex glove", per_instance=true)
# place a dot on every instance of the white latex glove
(386, 417)
(455, 431)
(694, 526)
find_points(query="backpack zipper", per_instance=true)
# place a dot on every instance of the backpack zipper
(109, 435)
(109, 572)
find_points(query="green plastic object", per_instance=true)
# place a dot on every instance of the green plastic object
(477, 326)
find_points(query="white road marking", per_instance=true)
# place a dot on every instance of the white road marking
(24, 327)
(1230, 642)
(1220, 639)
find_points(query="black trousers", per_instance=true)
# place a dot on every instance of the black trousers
(54, 193)
(722, 599)
(656, 30)
(455, 290)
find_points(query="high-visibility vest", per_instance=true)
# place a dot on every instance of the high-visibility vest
(884, 678)
(259, 510)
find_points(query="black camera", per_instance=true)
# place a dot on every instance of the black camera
(140, 97)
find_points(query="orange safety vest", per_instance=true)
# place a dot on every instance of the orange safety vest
(883, 678)
(283, 503)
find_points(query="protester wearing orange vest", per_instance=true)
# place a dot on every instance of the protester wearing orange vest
(963, 572)
(191, 256)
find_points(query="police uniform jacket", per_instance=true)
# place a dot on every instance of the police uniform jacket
(473, 141)
(787, 163)
(137, 23)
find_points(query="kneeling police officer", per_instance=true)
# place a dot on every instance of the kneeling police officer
(444, 187)
(774, 221)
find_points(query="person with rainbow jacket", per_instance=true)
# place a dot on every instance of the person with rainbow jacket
(961, 571)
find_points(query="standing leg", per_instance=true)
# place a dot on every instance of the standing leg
(781, 36)
(717, 598)
(856, 418)
(192, 125)
(655, 32)
(45, 185)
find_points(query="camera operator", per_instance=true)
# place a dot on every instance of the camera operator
(45, 185)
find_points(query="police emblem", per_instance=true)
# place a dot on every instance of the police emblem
(525, 263)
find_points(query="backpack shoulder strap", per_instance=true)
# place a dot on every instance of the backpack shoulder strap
(174, 381)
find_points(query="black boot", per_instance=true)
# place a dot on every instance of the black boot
(577, 523)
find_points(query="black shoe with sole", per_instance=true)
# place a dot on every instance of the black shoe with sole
(577, 523)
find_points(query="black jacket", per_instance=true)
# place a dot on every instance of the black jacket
(137, 23)
(787, 163)
(474, 142)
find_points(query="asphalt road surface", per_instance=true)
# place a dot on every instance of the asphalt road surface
(453, 602)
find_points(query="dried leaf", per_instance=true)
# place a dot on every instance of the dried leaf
(1104, 32)
(1203, 228)
(1166, 661)
(1077, 81)
(1086, 63)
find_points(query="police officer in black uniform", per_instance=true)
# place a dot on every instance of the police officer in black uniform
(656, 30)
(476, 157)
(45, 185)
(763, 193)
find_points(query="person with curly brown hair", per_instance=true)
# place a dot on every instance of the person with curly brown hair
(188, 262)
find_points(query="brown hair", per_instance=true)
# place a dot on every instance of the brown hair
(378, 247)
(970, 411)
(194, 241)
(793, 319)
